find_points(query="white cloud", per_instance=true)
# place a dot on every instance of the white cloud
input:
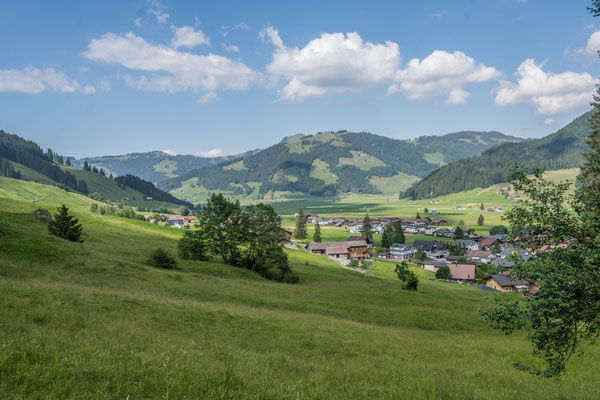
(34, 80)
(592, 46)
(170, 152)
(549, 121)
(231, 47)
(242, 25)
(439, 73)
(210, 154)
(158, 10)
(137, 22)
(550, 93)
(332, 62)
(172, 70)
(457, 96)
(438, 13)
(207, 98)
(186, 36)
(88, 89)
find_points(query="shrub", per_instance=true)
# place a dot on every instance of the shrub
(161, 258)
(443, 273)
(412, 282)
(192, 246)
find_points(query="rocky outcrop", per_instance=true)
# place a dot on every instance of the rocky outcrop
(43, 214)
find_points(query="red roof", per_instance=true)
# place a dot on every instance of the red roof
(462, 271)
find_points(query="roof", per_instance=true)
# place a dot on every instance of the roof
(435, 263)
(465, 242)
(487, 241)
(428, 245)
(337, 250)
(508, 251)
(356, 238)
(326, 245)
(462, 271)
(504, 281)
(478, 253)
(486, 288)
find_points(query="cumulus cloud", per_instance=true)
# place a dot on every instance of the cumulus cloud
(332, 62)
(592, 46)
(34, 80)
(137, 22)
(186, 36)
(231, 47)
(550, 93)
(210, 153)
(172, 70)
(207, 98)
(440, 73)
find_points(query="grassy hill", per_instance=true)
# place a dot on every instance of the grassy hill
(155, 166)
(92, 320)
(330, 163)
(560, 150)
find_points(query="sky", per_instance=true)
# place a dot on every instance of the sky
(91, 78)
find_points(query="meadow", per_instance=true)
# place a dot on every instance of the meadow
(93, 320)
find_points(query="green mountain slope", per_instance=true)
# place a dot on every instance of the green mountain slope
(94, 319)
(154, 166)
(328, 162)
(562, 149)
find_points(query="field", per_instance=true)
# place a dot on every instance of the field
(92, 320)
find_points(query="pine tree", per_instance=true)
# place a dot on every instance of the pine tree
(458, 233)
(480, 220)
(418, 216)
(317, 234)
(68, 162)
(300, 232)
(65, 226)
(481, 207)
(367, 227)
(82, 187)
(385, 237)
(86, 166)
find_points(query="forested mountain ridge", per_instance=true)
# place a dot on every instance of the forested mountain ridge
(155, 166)
(562, 149)
(328, 162)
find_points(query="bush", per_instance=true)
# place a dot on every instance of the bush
(443, 273)
(412, 282)
(161, 258)
(192, 246)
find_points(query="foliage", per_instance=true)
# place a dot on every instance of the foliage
(65, 226)
(317, 233)
(192, 246)
(148, 189)
(94, 208)
(300, 232)
(409, 279)
(480, 220)
(420, 255)
(443, 273)
(367, 227)
(485, 270)
(7, 169)
(161, 258)
(499, 230)
(392, 233)
(458, 233)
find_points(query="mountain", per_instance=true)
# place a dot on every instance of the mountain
(562, 149)
(155, 166)
(328, 162)
(25, 160)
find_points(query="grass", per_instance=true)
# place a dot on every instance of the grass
(92, 320)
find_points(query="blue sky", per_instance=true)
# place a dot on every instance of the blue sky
(112, 77)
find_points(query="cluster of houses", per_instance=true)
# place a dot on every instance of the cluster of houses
(355, 247)
(174, 221)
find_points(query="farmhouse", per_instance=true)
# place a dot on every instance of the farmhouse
(504, 283)
(479, 256)
(348, 249)
(462, 272)
(467, 244)
(429, 246)
(176, 222)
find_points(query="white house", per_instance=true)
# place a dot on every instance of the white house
(358, 228)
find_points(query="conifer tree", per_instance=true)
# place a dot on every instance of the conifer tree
(367, 227)
(68, 162)
(385, 237)
(418, 215)
(300, 232)
(317, 234)
(65, 226)
(480, 220)
(82, 187)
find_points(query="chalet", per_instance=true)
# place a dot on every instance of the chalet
(358, 228)
(467, 244)
(432, 265)
(438, 222)
(429, 246)
(287, 236)
(340, 222)
(505, 283)
(357, 238)
(402, 251)
(189, 219)
(445, 232)
(348, 249)
(176, 222)
(487, 242)
(462, 272)
(479, 256)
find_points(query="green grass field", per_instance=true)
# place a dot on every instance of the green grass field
(92, 320)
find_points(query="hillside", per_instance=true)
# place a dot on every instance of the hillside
(92, 320)
(329, 163)
(562, 149)
(155, 166)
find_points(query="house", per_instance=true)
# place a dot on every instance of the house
(429, 246)
(189, 219)
(357, 238)
(505, 283)
(358, 228)
(348, 249)
(340, 222)
(431, 265)
(438, 222)
(467, 244)
(462, 272)
(433, 211)
(479, 256)
(287, 236)
(176, 222)
(401, 250)
(487, 242)
(445, 232)
(430, 230)
(512, 251)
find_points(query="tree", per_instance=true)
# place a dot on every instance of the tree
(185, 211)
(412, 281)
(367, 227)
(480, 220)
(402, 271)
(462, 259)
(95, 169)
(499, 230)
(481, 207)
(385, 238)
(496, 248)
(300, 232)
(68, 162)
(420, 255)
(426, 210)
(102, 172)
(82, 187)
(461, 223)
(161, 258)
(86, 166)
(220, 220)
(317, 234)
(193, 246)
(418, 215)
(65, 226)
(443, 273)
(407, 277)
(459, 233)
(94, 208)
